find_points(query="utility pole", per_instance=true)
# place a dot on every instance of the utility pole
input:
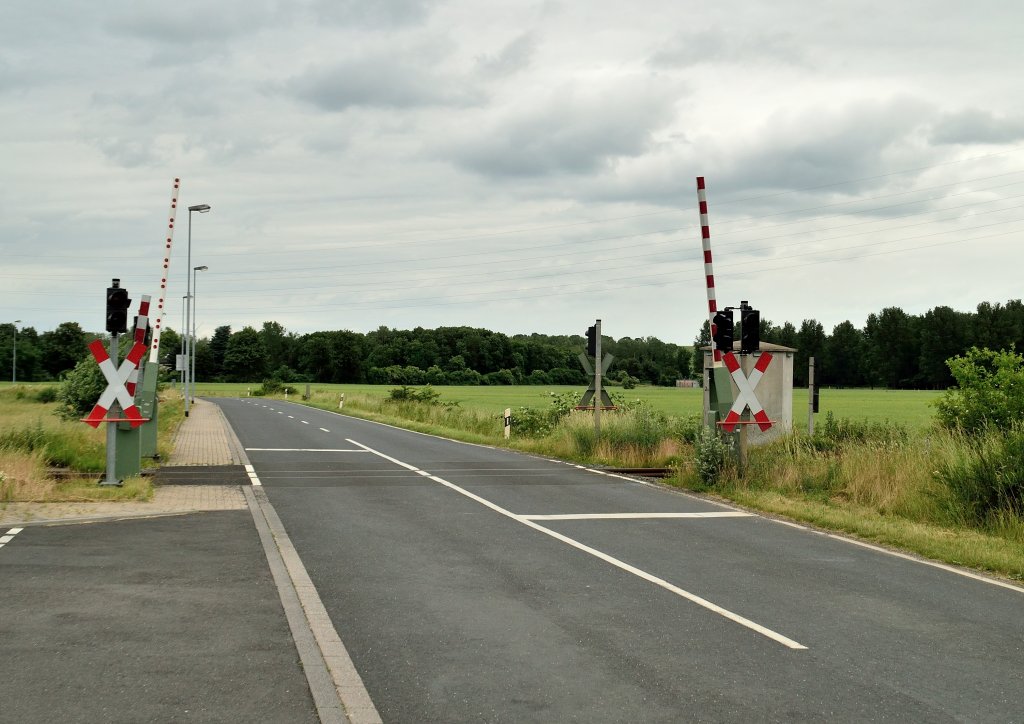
(597, 380)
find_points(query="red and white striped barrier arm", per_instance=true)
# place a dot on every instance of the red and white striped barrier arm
(746, 396)
(709, 274)
(115, 384)
(154, 345)
(140, 338)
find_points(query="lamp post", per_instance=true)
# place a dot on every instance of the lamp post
(194, 296)
(202, 209)
(184, 336)
(14, 353)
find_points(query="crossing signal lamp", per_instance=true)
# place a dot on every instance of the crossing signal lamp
(750, 329)
(117, 308)
(723, 329)
(592, 340)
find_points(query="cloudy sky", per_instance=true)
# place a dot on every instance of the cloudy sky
(519, 166)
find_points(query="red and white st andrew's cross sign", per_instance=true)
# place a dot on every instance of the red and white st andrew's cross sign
(115, 384)
(746, 397)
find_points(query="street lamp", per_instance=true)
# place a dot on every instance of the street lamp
(202, 209)
(14, 353)
(194, 296)
(184, 336)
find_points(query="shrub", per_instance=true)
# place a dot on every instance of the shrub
(712, 455)
(989, 391)
(80, 390)
(47, 395)
(426, 395)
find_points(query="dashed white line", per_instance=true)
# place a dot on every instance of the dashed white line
(303, 422)
(325, 429)
(693, 598)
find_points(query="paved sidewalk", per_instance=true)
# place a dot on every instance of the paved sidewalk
(204, 438)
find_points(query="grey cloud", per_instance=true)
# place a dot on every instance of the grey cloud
(977, 126)
(380, 82)
(514, 57)
(172, 24)
(816, 147)
(715, 45)
(373, 14)
(570, 134)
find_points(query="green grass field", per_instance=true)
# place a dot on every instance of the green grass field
(910, 408)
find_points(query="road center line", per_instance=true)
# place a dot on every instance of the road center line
(633, 516)
(693, 598)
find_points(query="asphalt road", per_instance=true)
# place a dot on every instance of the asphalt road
(473, 584)
(168, 619)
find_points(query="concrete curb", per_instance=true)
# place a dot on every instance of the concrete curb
(338, 690)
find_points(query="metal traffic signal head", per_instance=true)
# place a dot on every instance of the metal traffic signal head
(117, 308)
(750, 330)
(721, 333)
(592, 340)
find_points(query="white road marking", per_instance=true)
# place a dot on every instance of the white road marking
(325, 429)
(303, 449)
(251, 472)
(279, 412)
(303, 422)
(633, 516)
(5, 539)
(734, 617)
(291, 417)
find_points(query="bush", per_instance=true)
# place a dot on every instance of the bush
(712, 455)
(80, 390)
(47, 395)
(426, 395)
(989, 391)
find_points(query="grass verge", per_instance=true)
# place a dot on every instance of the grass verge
(46, 459)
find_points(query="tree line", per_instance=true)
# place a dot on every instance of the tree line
(893, 349)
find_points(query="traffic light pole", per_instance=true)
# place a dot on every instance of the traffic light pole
(115, 413)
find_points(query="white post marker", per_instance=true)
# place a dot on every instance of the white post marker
(341, 402)
(508, 422)
(115, 384)
(746, 397)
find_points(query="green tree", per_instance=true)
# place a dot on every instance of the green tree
(843, 357)
(219, 348)
(63, 348)
(810, 342)
(244, 359)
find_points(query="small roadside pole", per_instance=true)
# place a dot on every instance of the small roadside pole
(810, 396)
(508, 422)
(341, 402)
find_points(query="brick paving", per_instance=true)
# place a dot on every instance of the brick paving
(203, 439)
